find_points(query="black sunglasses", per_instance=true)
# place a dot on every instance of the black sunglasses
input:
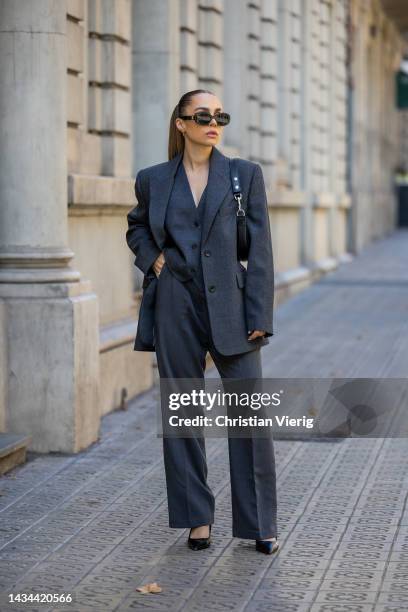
(204, 118)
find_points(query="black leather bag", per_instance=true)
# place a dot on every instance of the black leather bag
(242, 230)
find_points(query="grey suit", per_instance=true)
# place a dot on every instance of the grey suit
(204, 300)
(238, 299)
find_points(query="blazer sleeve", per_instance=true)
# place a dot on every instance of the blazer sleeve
(139, 236)
(259, 287)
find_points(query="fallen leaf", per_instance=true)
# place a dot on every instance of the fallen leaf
(150, 587)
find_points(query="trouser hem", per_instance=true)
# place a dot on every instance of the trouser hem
(253, 535)
(186, 525)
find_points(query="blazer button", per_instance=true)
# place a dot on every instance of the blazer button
(196, 223)
(211, 288)
(207, 253)
(194, 246)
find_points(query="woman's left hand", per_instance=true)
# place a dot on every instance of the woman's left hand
(255, 334)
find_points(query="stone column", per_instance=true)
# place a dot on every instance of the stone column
(155, 76)
(52, 341)
(269, 119)
(307, 236)
(235, 90)
(253, 75)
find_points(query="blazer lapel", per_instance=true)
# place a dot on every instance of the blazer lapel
(161, 185)
(219, 183)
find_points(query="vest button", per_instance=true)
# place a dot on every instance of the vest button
(194, 245)
(207, 253)
(211, 288)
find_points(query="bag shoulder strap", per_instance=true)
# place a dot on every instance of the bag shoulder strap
(235, 180)
(236, 185)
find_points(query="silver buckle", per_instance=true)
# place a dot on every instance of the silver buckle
(240, 211)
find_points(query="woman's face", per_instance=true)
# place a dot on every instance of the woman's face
(201, 134)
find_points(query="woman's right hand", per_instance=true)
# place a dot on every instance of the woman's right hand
(158, 264)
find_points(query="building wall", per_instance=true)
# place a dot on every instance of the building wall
(100, 183)
(284, 71)
(377, 125)
(310, 87)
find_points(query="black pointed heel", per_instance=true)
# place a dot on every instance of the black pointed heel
(266, 546)
(199, 543)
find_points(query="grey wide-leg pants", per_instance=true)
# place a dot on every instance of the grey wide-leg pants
(182, 336)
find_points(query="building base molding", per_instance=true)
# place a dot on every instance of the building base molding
(51, 360)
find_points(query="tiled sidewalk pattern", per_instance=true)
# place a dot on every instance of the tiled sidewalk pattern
(96, 524)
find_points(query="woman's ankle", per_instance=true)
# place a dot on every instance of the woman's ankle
(201, 531)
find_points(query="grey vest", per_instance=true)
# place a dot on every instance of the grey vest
(183, 225)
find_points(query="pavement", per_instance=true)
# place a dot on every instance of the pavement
(95, 524)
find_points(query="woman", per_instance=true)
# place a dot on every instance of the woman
(183, 233)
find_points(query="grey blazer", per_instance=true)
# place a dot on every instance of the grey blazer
(239, 299)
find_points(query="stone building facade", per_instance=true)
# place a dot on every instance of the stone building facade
(87, 89)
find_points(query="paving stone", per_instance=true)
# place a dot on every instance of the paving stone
(337, 596)
(341, 607)
(390, 597)
(285, 595)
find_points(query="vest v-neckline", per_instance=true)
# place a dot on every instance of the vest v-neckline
(189, 187)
